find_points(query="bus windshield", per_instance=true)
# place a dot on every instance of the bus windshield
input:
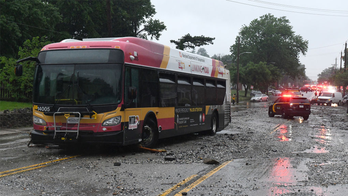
(78, 84)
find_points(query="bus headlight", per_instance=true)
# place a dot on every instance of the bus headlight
(112, 121)
(38, 121)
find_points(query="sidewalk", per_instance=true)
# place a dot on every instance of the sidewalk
(8, 131)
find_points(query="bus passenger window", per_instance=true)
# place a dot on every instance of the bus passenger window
(184, 92)
(131, 81)
(168, 92)
(149, 88)
(198, 94)
(221, 91)
(210, 92)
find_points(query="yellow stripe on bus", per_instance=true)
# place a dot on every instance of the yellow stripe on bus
(216, 68)
(206, 109)
(165, 59)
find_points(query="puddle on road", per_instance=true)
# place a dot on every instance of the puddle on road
(284, 176)
(324, 135)
(316, 150)
(289, 179)
(284, 133)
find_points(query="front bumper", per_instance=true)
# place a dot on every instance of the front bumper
(47, 137)
(322, 101)
(299, 112)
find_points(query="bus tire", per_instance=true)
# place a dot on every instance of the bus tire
(149, 134)
(213, 127)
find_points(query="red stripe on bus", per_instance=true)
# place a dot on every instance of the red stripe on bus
(166, 123)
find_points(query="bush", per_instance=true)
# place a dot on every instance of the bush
(21, 87)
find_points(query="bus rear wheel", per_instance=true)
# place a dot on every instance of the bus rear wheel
(149, 134)
(213, 127)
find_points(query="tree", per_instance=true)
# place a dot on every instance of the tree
(202, 52)
(225, 59)
(22, 20)
(21, 87)
(327, 75)
(341, 79)
(111, 18)
(273, 41)
(259, 75)
(187, 41)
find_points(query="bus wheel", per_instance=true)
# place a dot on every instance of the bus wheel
(213, 127)
(149, 134)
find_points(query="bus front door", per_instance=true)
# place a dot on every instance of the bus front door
(133, 127)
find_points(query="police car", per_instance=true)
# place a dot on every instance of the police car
(289, 106)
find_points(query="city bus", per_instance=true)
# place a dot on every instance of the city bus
(125, 91)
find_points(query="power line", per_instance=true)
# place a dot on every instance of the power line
(325, 46)
(287, 10)
(323, 54)
(303, 8)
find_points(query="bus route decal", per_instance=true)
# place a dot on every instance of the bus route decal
(133, 122)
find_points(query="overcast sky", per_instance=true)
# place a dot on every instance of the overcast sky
(222, 19)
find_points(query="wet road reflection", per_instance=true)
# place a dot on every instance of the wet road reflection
(281, 176)
(324, 135)
(284, 133)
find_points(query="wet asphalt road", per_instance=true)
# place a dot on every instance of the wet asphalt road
(257, 155)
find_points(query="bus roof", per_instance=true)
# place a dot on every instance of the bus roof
(147, 53)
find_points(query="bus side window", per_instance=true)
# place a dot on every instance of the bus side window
(148, 88)
(131, 82)
(211, 98)
(168, 91)
(184, 91)
(221, 91)
(198, 92)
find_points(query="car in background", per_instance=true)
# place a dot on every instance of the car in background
(305, 88)
(259, 97)
(277, 93)
(254, 92)
(344, 100)
(328, 98)
(297, 94)
(289, 106)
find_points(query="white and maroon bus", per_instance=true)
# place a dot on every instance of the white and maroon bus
(125, 91)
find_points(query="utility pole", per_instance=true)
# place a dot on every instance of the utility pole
(108, 14)
(345, 57)
(238, 70)
(341, 62)
(335, 66)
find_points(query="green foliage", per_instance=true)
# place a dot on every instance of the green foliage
(110, 18)
(21, 87)
(326, 75)
(203, 52)
(187, 41)
(21, 20)
(272, 40)
(341, 78)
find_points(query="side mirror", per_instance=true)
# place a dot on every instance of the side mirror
(132, 93)
(18, 70)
